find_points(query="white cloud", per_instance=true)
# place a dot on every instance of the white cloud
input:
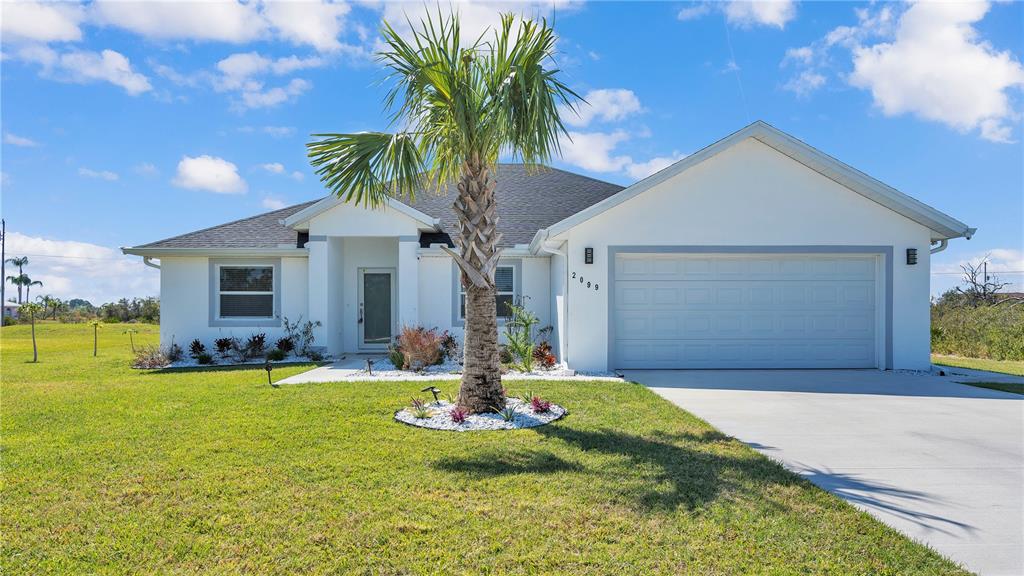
(273, 167)
(314, 24)
(242, 73)
(99, 174)
(747, 14)
(475, 17)
(84, 67)
(273, 203)
(594, 150)
(642, 170)
(938, 69)
(204, 21)
(146, 169)
(72, 269)
(694, 12)
(927, 60)
(209, 173)
(15, 140)
(608, 105)
(273, 96)
(804, 83)
(298, 176)
(41, 22)
(274, 131)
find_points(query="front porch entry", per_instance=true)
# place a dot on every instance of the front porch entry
(377, 299)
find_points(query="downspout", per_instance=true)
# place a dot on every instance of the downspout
(941, 246)
(148, 261)
(564, 336)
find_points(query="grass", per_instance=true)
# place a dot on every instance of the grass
(1012, 387)
(112, 470)
(1013, 367)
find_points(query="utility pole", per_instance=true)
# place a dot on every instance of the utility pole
(3, 264)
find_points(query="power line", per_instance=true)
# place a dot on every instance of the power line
(72, 257)
(991, 272)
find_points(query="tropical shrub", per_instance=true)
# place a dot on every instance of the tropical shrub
(458, 415)
(419, 409)
(149, 357)
(520, 337)
(543, 355)
(255, 345)
(285, 344)
(196, 348)
(420, 347)
(508, 413)
(539, 405)
(204, 358)
(173, 352)
(224, 346)
(396, 357)
(449, 346)
(276, 355)
(301, 334)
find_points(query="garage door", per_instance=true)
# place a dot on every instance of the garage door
(744, 311)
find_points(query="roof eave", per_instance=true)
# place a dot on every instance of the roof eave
(306, 214)
(213, 251)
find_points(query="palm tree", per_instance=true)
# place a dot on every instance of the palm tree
(96, 325)
(131, 332)
(50, 303)
(457, 109)
(20, 262)
(18, 281)
(28, 283)
(32, 308)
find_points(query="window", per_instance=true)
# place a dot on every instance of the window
(505, 286)
(246, 291)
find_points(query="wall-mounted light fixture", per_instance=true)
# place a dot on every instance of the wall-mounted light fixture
(911, 256)
(588, 255)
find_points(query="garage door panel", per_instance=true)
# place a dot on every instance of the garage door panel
(753, 311)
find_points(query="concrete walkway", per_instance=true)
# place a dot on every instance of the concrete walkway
(940, 461)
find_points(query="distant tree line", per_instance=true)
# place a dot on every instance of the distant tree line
(979, 318)
(77, 310)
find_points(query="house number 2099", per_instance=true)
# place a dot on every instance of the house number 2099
(584, 282)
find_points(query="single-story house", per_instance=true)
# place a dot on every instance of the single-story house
(758, 251)
(11, 309)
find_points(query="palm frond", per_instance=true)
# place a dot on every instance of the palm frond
(368, 167)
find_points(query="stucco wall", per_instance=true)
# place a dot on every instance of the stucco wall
(748, 195)
(185, 300)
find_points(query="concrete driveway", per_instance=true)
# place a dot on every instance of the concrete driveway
(941, 462)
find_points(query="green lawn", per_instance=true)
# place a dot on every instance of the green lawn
(111, 470)
(1014, 367)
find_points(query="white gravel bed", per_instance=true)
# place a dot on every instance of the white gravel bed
(449, 370)
(441, 419)
(189, 362)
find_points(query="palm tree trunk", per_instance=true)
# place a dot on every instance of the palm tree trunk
(35, 351)
(477, 256)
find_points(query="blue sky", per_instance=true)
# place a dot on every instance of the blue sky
(128, 122)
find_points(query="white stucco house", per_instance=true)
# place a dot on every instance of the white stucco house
(758, 251)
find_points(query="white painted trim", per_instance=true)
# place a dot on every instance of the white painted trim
(331, 201)
(943, 225)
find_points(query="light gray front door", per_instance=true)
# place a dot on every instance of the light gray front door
(376, 307)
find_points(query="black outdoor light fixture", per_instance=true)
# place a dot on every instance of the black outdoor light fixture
(588, 255)
(268, 367)
(433, 390)
(911, 256)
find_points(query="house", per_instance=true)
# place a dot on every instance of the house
(758, 251)
(11, 309)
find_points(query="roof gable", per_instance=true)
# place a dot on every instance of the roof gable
(943, 226)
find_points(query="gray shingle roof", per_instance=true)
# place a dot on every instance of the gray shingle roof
(528, 200)
(260, 231)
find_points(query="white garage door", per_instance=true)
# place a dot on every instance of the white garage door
(744, 311)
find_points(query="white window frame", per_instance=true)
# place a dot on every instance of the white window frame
(273, 282)
(458, 319)
(216, 319)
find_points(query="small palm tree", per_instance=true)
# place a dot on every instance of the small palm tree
(96, 325)
(131, 332)
(20, 262)
(50, 303)
(457, 109)
(32, 309)
(19, 281)
(29, 283)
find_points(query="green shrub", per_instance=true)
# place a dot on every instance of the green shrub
(276, 355)
(995, 332)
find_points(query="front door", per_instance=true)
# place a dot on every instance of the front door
(376, 307)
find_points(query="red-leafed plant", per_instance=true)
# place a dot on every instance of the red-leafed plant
(420, 347)
(538, 405)
(458, 415)
(543, 355)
